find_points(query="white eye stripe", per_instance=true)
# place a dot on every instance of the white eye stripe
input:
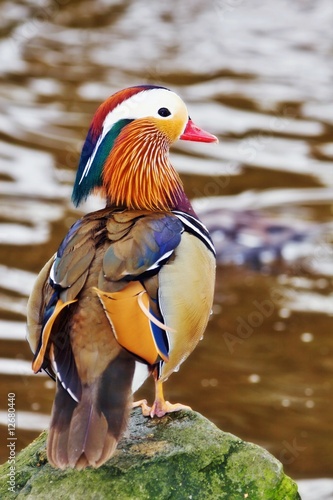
(144, 104)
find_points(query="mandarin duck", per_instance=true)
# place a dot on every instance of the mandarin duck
(130, 289)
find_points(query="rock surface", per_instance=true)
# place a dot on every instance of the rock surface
(180, 456)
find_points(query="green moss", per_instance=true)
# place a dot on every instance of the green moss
(181, 456)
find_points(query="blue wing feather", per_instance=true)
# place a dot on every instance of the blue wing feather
(71, 233)
(150, 244)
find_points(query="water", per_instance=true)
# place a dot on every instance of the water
(258, 75)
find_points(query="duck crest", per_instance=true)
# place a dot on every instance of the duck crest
(137, 173)
(111, 103)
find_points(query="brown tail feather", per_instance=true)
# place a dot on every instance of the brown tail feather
(86, 433)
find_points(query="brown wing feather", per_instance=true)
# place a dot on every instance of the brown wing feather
(86, 432)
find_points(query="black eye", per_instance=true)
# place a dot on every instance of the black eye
(164, 112)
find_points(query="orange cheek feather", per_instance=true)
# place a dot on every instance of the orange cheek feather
(138, 173)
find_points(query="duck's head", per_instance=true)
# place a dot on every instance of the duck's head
(126, 153)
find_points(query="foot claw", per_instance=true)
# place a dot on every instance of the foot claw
(160, 409)
(144, 407)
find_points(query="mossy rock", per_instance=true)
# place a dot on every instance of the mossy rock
(180, 456)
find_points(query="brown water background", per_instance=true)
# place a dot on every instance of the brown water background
(257, 74)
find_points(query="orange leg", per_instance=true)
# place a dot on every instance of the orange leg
(160, 406)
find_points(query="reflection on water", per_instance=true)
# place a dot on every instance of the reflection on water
(258, 75)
